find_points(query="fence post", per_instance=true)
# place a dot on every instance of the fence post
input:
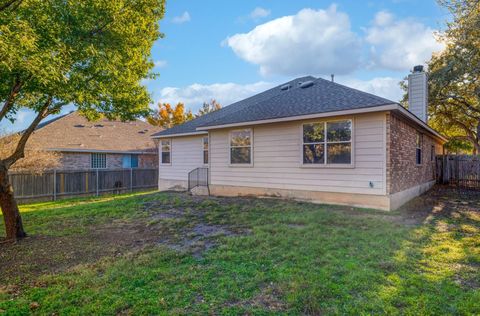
(445, 176)
(131, 179)
(96, 180)
(457, 171)
(54, 184)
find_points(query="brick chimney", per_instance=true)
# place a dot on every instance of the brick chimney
(418, 93)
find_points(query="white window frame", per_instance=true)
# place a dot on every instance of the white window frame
(207, 150)
(325, 164)
(230, 148)
(95, 158)
(170, 151)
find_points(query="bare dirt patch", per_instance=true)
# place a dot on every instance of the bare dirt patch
(189, 230)
(268, 299)
(199, 238)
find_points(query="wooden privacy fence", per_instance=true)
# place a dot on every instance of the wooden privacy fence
(459, 170)
(55, 184)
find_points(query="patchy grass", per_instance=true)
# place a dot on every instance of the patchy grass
(170, 253)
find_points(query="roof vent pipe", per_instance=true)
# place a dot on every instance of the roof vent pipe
(306, 84)
(333, 77)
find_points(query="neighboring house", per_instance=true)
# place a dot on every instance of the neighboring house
(101, 144)
(310, 139)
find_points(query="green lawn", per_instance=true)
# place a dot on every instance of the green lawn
(169, 253)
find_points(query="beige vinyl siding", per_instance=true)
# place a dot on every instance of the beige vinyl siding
(186, 155)
(277, 159)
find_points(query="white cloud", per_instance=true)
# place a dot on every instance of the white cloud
(259, 13)
(185, 17)
(386, 87)
(160, 63)
(225, 93)
(400, 44)
(311, 41)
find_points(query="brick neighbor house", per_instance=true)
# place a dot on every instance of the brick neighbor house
(309, 139)
(101, 144)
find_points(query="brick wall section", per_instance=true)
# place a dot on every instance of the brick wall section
(114, 161)
(74, 161)
(402, 170)
(81, 161)
(148, 161)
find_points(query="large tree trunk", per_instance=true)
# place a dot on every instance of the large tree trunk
(11, 214)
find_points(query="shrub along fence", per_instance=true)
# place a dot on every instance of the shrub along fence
(459, 170)
(56, 184)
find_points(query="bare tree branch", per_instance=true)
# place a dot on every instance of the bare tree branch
(9, 3)
(460, 124)
(460, 101)
(20, 149)
(8, 104)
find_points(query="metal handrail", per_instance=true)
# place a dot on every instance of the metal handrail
(198, 177)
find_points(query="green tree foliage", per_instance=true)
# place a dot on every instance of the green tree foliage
(454, 76)
(88, 53)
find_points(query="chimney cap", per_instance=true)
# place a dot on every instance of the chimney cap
(418, 68)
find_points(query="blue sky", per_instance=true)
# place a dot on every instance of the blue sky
(229, 50)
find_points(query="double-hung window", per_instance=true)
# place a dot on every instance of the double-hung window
(98, 161)
(205, 150)
(327, 143)
(166, 157)
(241, 147)
(418, 148)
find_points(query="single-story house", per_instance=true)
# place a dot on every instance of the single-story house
(102, 144)
(310, 139)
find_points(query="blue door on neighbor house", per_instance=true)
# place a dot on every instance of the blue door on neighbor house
(130, 161)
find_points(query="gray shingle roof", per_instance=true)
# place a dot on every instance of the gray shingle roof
(320, 97)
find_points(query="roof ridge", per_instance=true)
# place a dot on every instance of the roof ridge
(53, 120)
(357, 90)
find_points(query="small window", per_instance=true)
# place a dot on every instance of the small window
(134, 161)
(241, 147)
(327, 142)
(418, 148)
(130, 161)
(126, 161)
(166, 152)
(205, 150)
(98, 161)
(432, 153)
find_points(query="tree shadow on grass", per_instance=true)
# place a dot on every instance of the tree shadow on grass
(437, 267)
